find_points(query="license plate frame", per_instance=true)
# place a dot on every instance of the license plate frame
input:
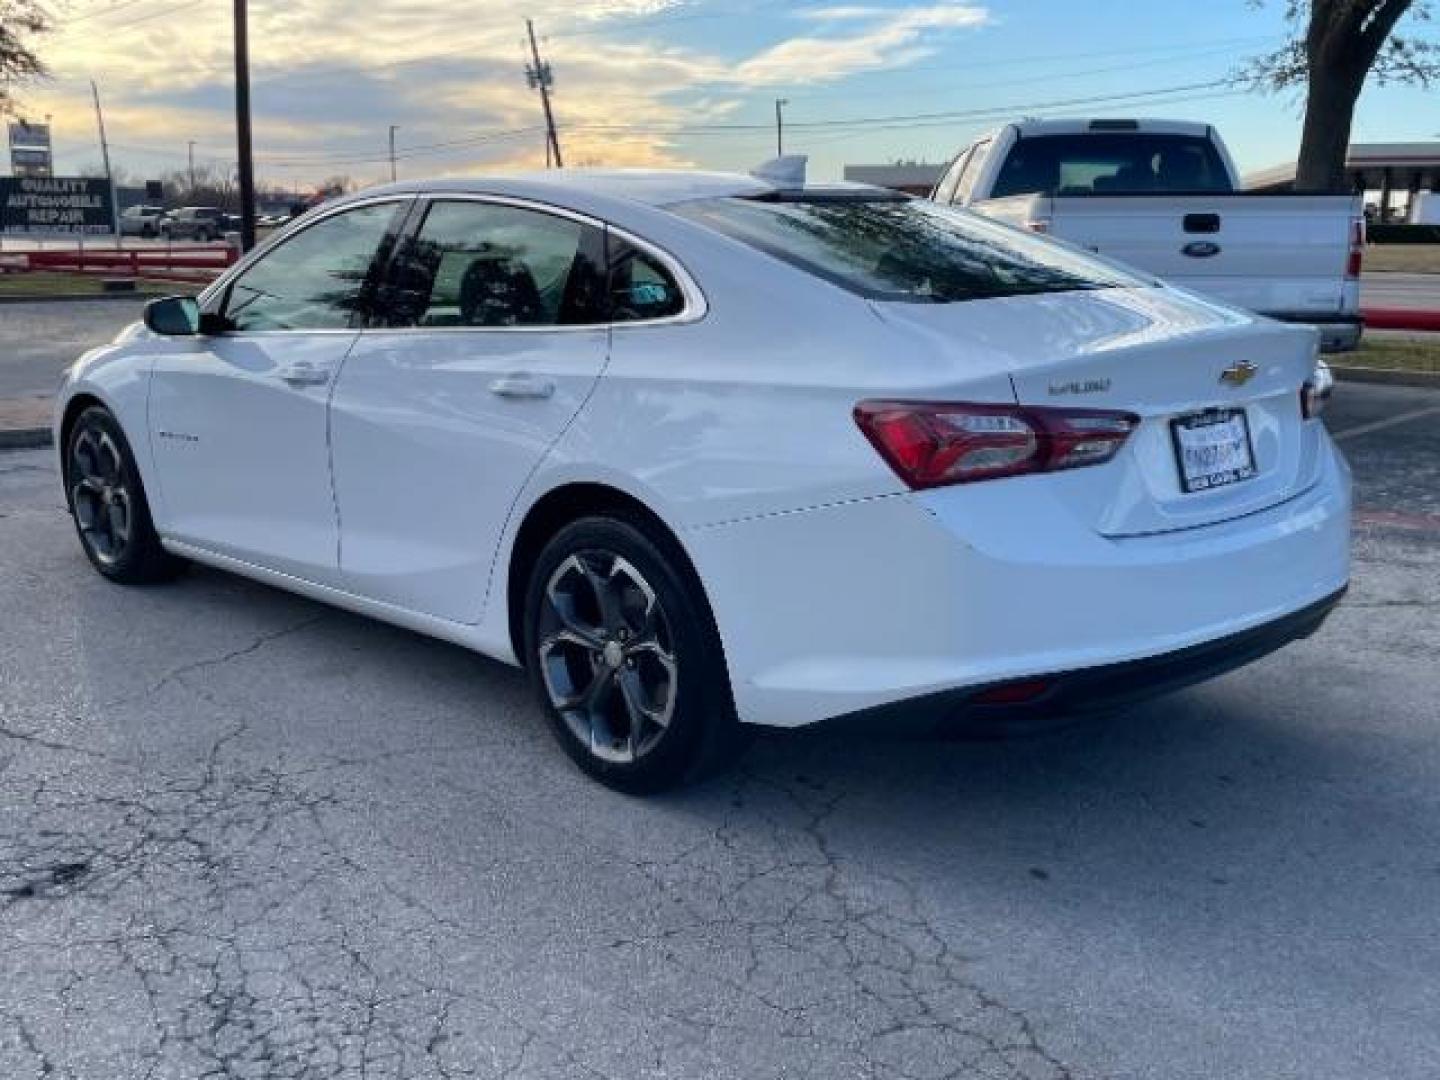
(1197, 480)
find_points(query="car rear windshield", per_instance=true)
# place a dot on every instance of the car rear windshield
(906, 250)
(1111, 163)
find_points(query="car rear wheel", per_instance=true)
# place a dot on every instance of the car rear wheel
(624, 657)
(107, 501)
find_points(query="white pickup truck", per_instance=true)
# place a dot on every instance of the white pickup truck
(1163, 196)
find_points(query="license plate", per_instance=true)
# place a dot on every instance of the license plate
(1213, 449)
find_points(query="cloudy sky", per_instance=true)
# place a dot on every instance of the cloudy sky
(674, 82)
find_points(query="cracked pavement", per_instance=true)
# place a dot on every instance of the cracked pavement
(246, 836)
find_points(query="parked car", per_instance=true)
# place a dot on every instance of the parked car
(141, 220)
(700, 451)
(195, 223)
(1164, 196)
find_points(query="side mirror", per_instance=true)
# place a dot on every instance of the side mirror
(173, 316)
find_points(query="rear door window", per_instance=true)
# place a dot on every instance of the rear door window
(482, 264)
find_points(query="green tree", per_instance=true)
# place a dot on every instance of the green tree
(21, 22)
(1335, 45)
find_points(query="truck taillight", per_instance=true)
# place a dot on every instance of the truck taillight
(1357, 249)
(932, 444)
(1039, 225)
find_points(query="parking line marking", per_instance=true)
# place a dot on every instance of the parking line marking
(1380, 425)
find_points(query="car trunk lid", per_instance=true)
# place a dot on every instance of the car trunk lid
(1172, 360)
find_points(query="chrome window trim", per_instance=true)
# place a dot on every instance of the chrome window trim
(696, 307)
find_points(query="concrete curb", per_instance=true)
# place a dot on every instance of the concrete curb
(24, 438)
(1428, 379)
(72, 298)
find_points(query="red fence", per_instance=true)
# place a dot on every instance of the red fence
(189, 261)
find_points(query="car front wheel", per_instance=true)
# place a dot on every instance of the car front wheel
(625, 659)
(107, 501)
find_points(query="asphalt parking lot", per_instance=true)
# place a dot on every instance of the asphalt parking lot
(244, 835)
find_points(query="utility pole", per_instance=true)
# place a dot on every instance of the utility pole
(539, 77)
(190, 154)
(246, 165)
(393, 128)
(105, 159)
(780, 104)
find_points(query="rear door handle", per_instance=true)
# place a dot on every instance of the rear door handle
(303, 374)
(522, 386)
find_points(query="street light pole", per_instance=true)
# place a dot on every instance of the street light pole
(780, 104)
(190, 154)
(246, 165)
(393, 128)
(105, 157)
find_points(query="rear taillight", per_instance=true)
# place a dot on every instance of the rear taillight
(1357, 249)
(931, 444)
(1038, 225)
(1315, 394)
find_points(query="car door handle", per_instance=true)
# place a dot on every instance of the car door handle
(522, 386)
(302, 374)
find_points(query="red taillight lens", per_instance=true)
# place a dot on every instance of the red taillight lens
(1357, 250)
(931, 444)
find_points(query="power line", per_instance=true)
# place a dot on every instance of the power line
(943, 116)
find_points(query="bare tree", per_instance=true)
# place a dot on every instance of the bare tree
(1335, 45)
(21, 21)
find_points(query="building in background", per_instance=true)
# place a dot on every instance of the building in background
(1387, 168)
(912, 177)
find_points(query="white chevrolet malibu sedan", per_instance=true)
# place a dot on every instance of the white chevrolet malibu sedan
(702, 452)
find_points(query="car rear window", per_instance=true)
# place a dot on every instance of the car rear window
(908, 250)
(1113, 163)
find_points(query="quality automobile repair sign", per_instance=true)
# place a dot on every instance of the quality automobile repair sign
(56, 206)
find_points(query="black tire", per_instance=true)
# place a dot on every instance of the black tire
(107, 502)
(651, 592)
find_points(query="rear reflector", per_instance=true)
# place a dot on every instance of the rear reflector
(932, 444)
(1015, 693)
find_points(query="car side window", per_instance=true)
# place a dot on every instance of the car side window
(319, 279)
(640, 288)
(482, 264)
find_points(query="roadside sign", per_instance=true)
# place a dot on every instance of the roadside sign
(40, 206)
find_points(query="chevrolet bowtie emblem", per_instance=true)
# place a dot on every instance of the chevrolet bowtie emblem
(1239, 374)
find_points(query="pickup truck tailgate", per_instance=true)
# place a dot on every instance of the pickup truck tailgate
(1282, 254)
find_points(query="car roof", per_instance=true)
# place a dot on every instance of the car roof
(647, 187)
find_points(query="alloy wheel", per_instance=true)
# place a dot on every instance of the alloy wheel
(607, 655)
(100, 495)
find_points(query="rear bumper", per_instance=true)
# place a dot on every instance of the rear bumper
(1092, 690)
(1338, 333)
(846, 608)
